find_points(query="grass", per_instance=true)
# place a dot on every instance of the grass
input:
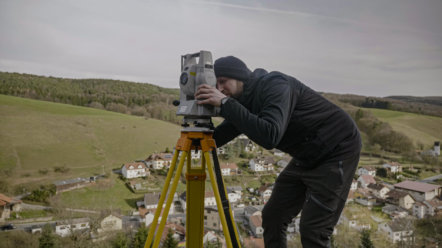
(38, 135)
(422, 129)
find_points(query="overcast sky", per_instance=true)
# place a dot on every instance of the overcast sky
(372, 48)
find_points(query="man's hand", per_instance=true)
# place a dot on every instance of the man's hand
(207, 94)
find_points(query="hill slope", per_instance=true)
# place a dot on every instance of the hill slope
(39, 135)
(421, 129)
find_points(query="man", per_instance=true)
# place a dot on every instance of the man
(278, 111)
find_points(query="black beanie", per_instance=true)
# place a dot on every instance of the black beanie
(232, 67)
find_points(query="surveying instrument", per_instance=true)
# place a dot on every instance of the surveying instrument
(196, 135)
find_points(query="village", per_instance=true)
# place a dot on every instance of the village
(387, 188)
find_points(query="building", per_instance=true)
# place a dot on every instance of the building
(229, 169)
(135, 169)
(7, 206)
(255, 223)
(71, 184)
(400, 198)
(420, 191)
(67, 227)
(393, 167)
(394, 211)
(427, 208)
(378, 190)
(433, 152)
(354, 185)
(400, 229)
(112, 222)
(151, 201)
(265, 191)
(366, 170)
(365, 180)
(261, 164)
(211, 219)
(158, 161)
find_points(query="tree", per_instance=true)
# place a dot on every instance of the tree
(47, 239)
(140, 237)
(333, 242)
(120, 241)
(382, 172)
(170, 241)
(365, 239)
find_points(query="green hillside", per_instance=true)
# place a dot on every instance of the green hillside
(421, 129)
(36, 136)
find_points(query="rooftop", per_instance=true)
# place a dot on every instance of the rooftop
(416, 186)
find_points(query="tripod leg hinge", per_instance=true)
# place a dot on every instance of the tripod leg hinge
(195, 177)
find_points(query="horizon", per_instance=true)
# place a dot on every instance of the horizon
(373, 48)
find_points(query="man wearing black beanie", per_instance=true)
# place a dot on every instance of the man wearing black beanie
(278, 111)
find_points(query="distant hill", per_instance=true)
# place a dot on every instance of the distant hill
(37, 136)
(140, 99)
(434, 100)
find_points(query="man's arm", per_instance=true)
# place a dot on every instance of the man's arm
(224, 133)
(268, 126)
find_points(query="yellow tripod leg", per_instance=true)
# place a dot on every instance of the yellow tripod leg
(169, 200)
(153, 226)
(196, 179)
(218, 200)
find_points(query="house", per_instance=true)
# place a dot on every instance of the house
(228, 169)
(209, 199)
(427, 208)
(278, 153)
(112, 222)
(151, 202)
(365, 180)
(178, 231)
(394, 211)
(195, 154)
(366, 170)
(400, 229)
(283, 162)
(400, 198)
(254, 242)
(7, 206)
(378, 190)
(255, 223)
(365, 197)
(67, 227)
(265, 191)
(433, 152)
(158, 161)
(354, 185)
(135, 169)
(420, 191)
(246, 143)
(211, 238)
(71, 184)
(261, 164)
(234, 196)
(211, 219)
(393, 167)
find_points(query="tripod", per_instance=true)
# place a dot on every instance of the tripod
(198, 138)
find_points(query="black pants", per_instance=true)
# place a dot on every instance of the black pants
(320, 193)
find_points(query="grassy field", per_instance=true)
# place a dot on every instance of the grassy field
(422, 129)
(36, 136)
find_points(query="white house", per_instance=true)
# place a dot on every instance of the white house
(400, 229)
(135, 169)
(261, 164)
(233, 196)
(66, 228)
(278, 153)
(365, 180)
(195, 154)
(158, 161)
(400, 198)
(228, 169)
(366, 170)
(393, 167)
(378, 190)
(265, 192)
(354, 185)
(426, 208)
(420, 191)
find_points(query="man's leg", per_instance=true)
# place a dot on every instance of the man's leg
(287, 199)
(327, 190)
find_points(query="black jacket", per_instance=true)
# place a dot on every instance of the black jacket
(278, 111)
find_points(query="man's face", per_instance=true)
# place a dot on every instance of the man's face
(229, 86)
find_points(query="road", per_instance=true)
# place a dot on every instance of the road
(431, 179)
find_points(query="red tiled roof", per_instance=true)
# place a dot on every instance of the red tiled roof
(368, 179)
(232, 166)
(7, 200)
(135, 165)
(256, 220)
(416, 186)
